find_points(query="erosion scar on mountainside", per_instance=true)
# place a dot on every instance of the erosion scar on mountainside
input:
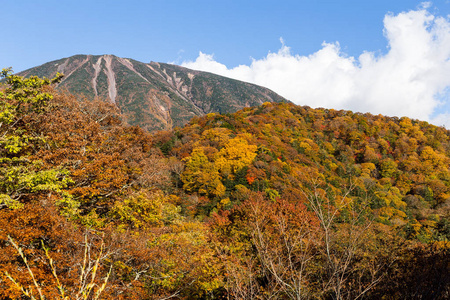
(96, 67)
(111, 79)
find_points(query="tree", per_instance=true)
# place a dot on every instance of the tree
(285, 236)
(235, 155)
(349, 264)
(201, 175)
(42, 254)
(22, 102)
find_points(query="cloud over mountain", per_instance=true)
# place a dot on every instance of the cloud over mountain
(411, 79)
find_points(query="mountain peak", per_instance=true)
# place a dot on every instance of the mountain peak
(153, 95)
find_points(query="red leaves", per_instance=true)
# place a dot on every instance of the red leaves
(250, 179)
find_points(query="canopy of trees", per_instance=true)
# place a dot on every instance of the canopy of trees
(272, 202)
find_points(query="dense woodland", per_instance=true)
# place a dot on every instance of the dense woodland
(272, 202)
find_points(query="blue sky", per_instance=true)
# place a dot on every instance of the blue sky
(36, 32)
(235, 33)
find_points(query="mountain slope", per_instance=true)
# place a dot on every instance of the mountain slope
(155, 95)
(398, 167)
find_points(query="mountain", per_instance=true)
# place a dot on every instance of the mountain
(153, 96)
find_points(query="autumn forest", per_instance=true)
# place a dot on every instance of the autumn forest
(276, 201)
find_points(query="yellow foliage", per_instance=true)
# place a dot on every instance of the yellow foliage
(392, 214)
(383, 144)
(428, 223)
(236, 154)
(328, 147)
(267, 129)
(217, 135)
(370, 154)
(223, 203)
(306, 147)
(441, 245)
(201, 175)
(367, 169)
(143, 210)
(433, 161)
(416, 226)
(388, 168)
(405, 123)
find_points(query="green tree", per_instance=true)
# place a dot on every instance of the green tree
(22, 101)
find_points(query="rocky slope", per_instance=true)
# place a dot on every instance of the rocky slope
(154, 95)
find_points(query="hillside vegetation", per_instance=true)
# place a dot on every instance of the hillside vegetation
(271, 202)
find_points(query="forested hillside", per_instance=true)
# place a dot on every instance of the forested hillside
(271, 202)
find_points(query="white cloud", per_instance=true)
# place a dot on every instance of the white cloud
(411, 79)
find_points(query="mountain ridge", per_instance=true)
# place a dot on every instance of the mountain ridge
(153, 95)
